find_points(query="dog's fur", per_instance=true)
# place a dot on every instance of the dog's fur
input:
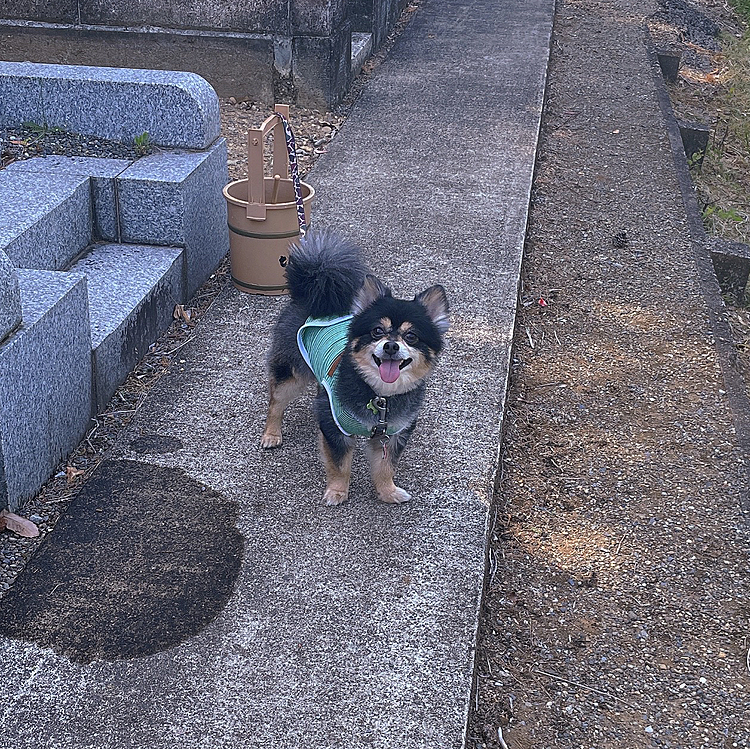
(392, 348)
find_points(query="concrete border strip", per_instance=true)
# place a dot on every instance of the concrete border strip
(739, 401)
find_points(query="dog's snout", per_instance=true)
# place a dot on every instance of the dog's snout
(390, 347)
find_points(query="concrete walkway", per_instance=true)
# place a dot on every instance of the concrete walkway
(147, 620)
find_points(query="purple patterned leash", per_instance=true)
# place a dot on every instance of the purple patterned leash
(291, 148)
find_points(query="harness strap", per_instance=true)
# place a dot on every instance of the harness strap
(321, 343)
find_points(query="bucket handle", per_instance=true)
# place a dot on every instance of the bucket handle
(284, 162)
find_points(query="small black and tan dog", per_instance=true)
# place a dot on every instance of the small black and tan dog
(369, 352)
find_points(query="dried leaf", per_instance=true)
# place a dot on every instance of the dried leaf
(73, 473)
(180, 313)
(17, 524)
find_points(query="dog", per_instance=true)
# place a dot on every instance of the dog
(370, 353)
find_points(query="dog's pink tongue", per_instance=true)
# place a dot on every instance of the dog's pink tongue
(389, 370)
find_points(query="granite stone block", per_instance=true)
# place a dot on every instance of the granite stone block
(669, 62)
(132, 292)
(361, 50)
(102, 173)
(376, 17)
(175, 199)
(20, 95)
(10, 298)
(45, 219)
(322, 67)
(213, 56)
(206, 231)
(731, 261)
(45, 381)
(259, 15)
(51, 11)
(178, 110)
(317, 17)
(695, 137)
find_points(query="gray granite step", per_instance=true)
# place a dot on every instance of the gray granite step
(102, 173)
(132, 291)
(45, 219)
(174, 198)
(45, 380)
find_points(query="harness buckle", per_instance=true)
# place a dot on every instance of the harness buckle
(379, 406)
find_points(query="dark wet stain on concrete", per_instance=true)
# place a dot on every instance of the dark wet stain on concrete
(143, 559)
(158, 444)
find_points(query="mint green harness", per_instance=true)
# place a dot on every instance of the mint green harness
(321, 342)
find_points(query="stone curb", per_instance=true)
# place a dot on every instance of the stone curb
(726, 353)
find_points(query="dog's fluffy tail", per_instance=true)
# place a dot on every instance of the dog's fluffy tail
(324, 274)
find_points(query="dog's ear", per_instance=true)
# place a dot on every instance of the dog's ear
(435, 301)
(371, 290)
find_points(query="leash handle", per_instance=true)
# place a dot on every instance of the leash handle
(291, 148)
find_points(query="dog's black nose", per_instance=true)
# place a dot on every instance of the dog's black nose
(390, 347)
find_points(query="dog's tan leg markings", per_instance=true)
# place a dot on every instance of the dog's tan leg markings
(338, 475)
(281, 395)
(383, 470)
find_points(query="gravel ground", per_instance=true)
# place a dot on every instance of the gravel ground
(616, 612)
(27, 142)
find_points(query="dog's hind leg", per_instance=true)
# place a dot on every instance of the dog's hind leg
(284, 386)
(383, 457)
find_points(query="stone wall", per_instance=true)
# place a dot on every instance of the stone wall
(96, 252)
(298, 51)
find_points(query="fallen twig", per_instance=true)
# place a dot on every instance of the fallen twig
(500, 738)
(617, 550)
(531, 340)
(583, 686)
(177, 348)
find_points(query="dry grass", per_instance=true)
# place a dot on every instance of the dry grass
(723, 178)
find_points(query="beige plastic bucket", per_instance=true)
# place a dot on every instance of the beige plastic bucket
(262, 215)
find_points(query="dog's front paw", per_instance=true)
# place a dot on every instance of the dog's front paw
(394, 496)
(270, 439)
(334, 497)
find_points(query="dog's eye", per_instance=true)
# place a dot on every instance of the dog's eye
(410, 337)
(377, 332)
